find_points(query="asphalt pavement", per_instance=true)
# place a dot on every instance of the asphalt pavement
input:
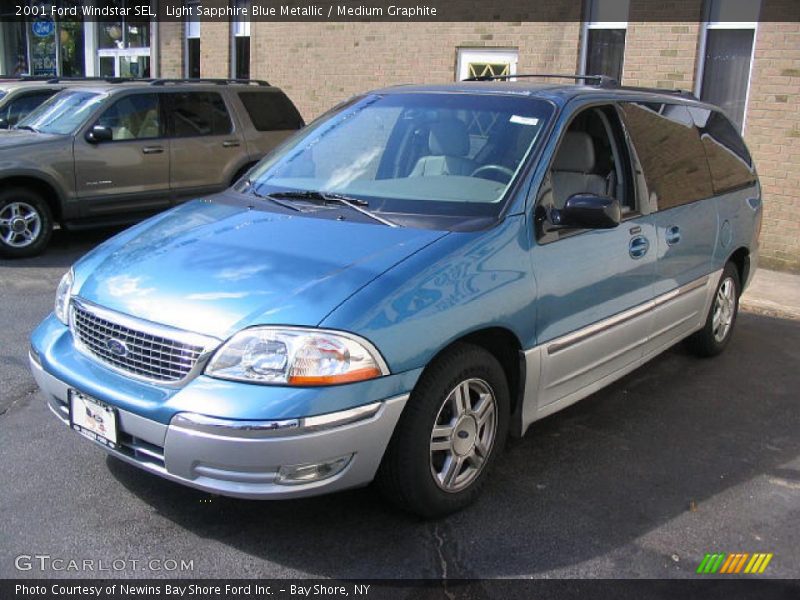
(682, 457)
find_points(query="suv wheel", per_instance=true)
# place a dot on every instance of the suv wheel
(449, 436)
(25, 223)
(717, 332)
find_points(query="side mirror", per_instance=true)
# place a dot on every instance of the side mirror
(587, 211)
(4, 124)
(98, 134)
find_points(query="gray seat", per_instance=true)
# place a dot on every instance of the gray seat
(572, 169)
(448, 143)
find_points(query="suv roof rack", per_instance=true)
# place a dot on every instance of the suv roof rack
(50, 79)
(258, 82)
(596, 80)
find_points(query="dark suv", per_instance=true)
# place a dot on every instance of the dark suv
(114, 152)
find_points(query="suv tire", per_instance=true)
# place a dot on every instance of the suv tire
(449, 435)
(26, 223)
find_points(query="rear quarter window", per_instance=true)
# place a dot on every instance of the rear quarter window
(271, 111)
(670, 151)
(729, 160)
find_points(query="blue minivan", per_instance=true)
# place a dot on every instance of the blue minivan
(415, 276)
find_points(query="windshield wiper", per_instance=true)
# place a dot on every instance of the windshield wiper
(249, 184)
(356, 204)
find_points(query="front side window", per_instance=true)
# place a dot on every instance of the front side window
(134, 117)
(198, 113)
(416, 153)
(604, 37)
(63, 113)
(670, 151)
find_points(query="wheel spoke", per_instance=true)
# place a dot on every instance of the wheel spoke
(461, 401)
(31, 218)
(476, 460)
(441, 438)
(452, 468)
(485, 410)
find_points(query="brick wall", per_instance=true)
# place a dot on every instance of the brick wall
(215, 45)
(320, 64)
(772, 131)
(170, 49)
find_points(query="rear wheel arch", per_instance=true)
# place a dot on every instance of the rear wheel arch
(740, 258)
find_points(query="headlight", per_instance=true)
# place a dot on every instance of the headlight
(62, 297)
(295, 356)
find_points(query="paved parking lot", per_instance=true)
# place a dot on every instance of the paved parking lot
(680, 458)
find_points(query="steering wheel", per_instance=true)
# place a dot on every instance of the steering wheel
(497, 168)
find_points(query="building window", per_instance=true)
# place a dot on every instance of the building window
(604, 30)
(726, 55)
(192, 51)
(486, 62)
(240, 43)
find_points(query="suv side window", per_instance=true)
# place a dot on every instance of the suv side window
(271, 111)
(195, 114)
(134, 117)
(728, 158)
(670, 151)
(592, 158)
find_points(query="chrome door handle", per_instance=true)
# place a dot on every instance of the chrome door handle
(673, 235)
(638, 246)
(230, 143)
(152, 150)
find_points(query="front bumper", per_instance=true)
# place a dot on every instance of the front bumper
(243, 458)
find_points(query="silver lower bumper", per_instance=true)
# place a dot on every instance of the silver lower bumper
(243, 459)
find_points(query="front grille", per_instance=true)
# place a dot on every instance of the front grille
(144, 354)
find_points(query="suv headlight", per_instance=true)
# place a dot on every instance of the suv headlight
(63, 294)
(296, 356)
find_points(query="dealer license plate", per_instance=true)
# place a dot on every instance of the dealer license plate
(93, 419)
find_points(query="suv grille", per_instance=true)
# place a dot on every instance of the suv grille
(132, 349)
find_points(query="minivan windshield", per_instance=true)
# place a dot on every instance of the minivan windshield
(421, 153)
(62, 113)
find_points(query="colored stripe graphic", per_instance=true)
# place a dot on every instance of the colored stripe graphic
(734, 563)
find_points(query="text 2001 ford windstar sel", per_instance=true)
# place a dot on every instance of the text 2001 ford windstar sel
(407, 281)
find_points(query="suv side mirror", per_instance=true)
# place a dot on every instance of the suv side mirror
(98, 134)
(587, 211)
(3, 123)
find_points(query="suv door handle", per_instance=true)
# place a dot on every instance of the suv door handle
(152, 150)
(230, 143)
(673, 235)
(638, 246)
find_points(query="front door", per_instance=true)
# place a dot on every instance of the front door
(595, 286)
(130, 172)
(206, 149)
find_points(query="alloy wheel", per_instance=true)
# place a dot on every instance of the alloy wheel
(724, 309)
(20, 224)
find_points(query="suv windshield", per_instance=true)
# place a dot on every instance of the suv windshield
(422, 153)
(63, 113)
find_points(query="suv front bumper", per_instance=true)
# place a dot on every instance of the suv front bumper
(243, 458)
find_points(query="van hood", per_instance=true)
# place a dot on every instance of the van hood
(215, 266)
(14, 139)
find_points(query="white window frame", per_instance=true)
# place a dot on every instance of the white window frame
(701, 53)
(485, 55)
(588, 25)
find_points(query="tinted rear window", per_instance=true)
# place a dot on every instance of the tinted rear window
(198, 113)
(271, 111)
(728, 158)
(669, 148)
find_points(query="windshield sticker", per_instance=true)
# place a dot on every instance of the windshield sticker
(520, 120)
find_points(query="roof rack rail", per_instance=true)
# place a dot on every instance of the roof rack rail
(597, 80)
(51, 79)
(671, 92)
(258, 82)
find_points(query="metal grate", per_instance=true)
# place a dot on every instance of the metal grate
(144, 354)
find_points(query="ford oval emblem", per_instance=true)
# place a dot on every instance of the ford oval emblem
(116, 347)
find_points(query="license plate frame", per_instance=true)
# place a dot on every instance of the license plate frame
(93, 419)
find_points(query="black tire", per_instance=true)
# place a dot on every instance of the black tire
(406, 476)
(15, 204)
(708, 342)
